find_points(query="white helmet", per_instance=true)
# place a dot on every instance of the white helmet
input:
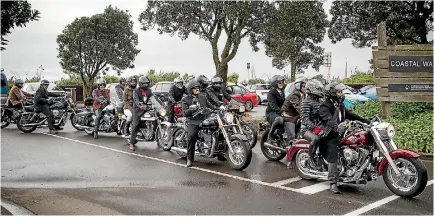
(178, 82)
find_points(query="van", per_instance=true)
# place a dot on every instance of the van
(4, 88)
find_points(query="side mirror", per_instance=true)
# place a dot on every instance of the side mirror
(362, 92)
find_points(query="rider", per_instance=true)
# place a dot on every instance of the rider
(310, 123)
(16, 95)
(128, 102)
(42, 104)
(98, 95)
(275, 98)
(141, 97)
(176, 93)
(204, 82)
(291, 106)
(215, 92)
(332, 112)
(194, 98)
(120, 88)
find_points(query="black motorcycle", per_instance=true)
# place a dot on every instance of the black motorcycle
(245, 127)
(29, 120)
(10, 114)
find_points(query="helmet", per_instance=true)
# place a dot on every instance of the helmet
(332, 89)
(132, 82)
(299, 82)
(315, 88)
(144, 82)
(19, 83)
(275, 79)
(178, 82)
(192, 85)
(203, 81)
(45, 82)
(216, 82)
(100, 81)
(122, 80)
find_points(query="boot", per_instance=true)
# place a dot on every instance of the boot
(189, 163)
(132, 147)
(95, 134)
(52, 131)
(333, 177)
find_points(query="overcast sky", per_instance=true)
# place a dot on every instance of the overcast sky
(36, 45)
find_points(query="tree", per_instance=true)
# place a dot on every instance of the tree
(15, 14)
(408, 22)
(360, 78)
(89, 45)
(208, 19)
(292, 33)
(111, 79)
(32, 79)
(256, 81)
(233, 77)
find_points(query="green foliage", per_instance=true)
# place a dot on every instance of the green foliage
(111, 79)
(292, 33)
(11, 81)
(32, 80)
(208, 19)
(413, 121)
(408, 22)
(161, 76)
(233, 77)
(89, 45)
(360, 78)
(256, 81)
(15, 14)
(73, 79)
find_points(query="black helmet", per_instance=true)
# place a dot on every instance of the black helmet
(122, 80)
(315, 88)
(144, 82)
(203, 81)
(332, 89)
(275, 79)
(216, 82)
(132, 82)
(45, 82)
(192, 85)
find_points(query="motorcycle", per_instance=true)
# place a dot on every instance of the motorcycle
(360, 161)
(245, 127)
(218, 137)
(9, 114)
(85, 120)
(275, 151)
(29, 120)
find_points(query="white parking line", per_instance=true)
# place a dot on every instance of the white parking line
(183, 165)
(312, 189)
(286, 181)
(378, 203)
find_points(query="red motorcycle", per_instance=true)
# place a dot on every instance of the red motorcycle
(360, 161)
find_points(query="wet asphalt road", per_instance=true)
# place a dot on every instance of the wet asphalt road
(74, 174)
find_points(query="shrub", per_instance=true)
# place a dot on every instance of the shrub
(413, 121)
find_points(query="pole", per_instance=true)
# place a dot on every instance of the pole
(382, 41)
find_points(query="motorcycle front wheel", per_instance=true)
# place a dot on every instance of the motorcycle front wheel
(412, 181)
(241, 156)
(179, 140)
(163, 138)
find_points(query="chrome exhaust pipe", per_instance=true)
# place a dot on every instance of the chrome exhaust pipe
(274, 147)
(185, 151)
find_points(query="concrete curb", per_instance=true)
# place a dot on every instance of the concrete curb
(15, 209)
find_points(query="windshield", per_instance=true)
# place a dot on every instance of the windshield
(263, 87)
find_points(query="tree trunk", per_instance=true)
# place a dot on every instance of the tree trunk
(293, 70)
(223, 73)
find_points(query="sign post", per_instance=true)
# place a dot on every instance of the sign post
(248, 71)
(404, 73)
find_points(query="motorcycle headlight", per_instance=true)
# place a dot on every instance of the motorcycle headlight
(163, 112)
(229, 118)
(242, 109)
(391, 131)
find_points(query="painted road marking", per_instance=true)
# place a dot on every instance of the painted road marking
(286, 181)
(182, 165)
(378, 203)
(318, 187)
(15, 209)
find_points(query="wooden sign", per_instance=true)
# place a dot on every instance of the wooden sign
(404, 73)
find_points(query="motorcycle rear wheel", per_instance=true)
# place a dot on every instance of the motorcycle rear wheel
(275, 155)
(74, 122)
(390, 178)
(243, 151)
(21, 127)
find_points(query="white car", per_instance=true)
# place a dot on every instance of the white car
(261, 90)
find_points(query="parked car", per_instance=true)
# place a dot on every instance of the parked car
(53, 90)
(352, 99)
(369, 91)
(4, 88)
(261, 91)
(246, 96)
(161, 89)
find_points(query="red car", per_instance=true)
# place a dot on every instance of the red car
(241, 93)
